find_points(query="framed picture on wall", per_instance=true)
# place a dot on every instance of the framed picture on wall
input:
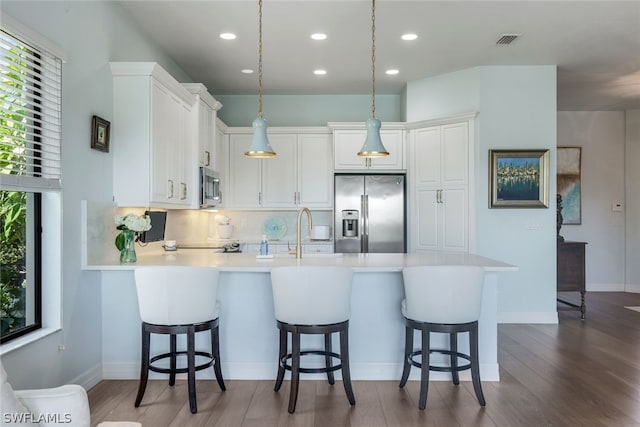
(569, 183)
(519, 178)
(100, 129)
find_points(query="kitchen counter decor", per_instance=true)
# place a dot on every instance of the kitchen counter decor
(130, 226)
(275, 228)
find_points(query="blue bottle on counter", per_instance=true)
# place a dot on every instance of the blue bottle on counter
(264, 246)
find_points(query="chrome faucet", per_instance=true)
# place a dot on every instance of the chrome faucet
(298, 240)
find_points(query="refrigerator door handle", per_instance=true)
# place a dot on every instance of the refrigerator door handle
(364, 230)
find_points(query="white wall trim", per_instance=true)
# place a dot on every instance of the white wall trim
(544, 317)
(605, 287)
(267, 371)
(89, 378)
(32, 37)
(633, 288)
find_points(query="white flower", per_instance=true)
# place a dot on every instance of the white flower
(137, 223)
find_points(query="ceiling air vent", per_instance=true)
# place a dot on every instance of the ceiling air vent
(506, 39)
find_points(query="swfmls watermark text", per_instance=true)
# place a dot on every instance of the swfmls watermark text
(28, 417)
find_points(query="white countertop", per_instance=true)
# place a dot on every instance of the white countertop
(248, 263)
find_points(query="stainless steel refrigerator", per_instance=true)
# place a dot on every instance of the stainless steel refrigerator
(369, 213)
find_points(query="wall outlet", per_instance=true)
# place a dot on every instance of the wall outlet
(617, 207)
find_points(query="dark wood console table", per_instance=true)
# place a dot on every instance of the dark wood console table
(571, 273)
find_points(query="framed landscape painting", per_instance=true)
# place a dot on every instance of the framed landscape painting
(569, 183)
(519, 178)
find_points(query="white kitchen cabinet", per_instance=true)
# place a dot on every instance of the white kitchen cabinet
(439, 171)
(245, 174)
(279, 173)
(300, 174)
(221, 160)
(206, 111)
(153, 137)
(348, 139)
(315, 174)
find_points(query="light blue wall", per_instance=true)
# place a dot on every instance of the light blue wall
(516, 108)
(91, 34)
(307, 110)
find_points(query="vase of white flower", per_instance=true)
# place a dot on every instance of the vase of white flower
(130, 226)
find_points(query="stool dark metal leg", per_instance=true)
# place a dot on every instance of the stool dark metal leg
(281, 353)
(408, 348)
(475, 363)
(327, 357)
(215, 351)
(453, 347)
(144, 366)
(172, 359)
(424, 370)
(191, 366)
(344, 362)
(295, 371)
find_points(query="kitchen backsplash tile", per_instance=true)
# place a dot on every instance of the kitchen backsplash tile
(195, 226)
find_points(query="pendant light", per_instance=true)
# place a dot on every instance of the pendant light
(260, 147)
(373, 146)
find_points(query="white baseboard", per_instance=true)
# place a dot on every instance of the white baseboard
(544, 317)
(633, 289)
(267, 371)
(89, 378)
(605, 287)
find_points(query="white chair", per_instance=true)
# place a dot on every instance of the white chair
(312, 300)
(65, 405)
(178, 300)
(445, 299)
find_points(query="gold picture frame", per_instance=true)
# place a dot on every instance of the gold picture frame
(519, 178)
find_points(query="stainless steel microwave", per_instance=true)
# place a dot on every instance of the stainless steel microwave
(210, 194)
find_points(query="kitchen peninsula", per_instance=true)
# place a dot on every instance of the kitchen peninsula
(248, 334)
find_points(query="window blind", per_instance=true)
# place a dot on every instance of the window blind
(30, 110)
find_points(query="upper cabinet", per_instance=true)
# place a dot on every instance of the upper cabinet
(154, 138)
(348, 139)
(206, 111)
(299, 175)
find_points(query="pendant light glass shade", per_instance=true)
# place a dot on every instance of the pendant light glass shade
(373, 146)
(260, 147)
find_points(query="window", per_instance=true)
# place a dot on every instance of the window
(30, 81)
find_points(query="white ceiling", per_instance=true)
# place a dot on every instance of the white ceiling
(595, 44)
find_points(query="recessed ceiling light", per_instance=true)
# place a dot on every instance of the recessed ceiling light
(227, 36)
(392, 72)
(409, 36)
(318, 36)
(246, 71)
(319, 72)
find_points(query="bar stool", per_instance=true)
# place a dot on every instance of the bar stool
(178, 300)
(312, 300)
(445, 299)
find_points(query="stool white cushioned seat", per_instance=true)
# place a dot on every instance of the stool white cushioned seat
(312, 300)
(445, 299)
(178, 300)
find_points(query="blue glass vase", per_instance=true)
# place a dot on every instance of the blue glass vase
(128, 252)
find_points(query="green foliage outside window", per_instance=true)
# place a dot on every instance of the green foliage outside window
(13, 206)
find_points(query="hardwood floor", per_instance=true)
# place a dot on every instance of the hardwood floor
(576, 373)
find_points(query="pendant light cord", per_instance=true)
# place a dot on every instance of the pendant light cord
(373, 59)
(260, 58)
